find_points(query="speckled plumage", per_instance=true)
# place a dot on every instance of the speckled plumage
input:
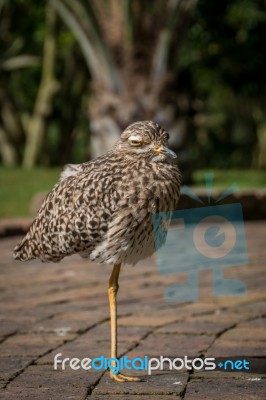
(102, 209)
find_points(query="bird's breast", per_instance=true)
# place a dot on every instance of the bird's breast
(155, 185)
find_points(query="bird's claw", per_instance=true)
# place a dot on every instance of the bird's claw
(124, 378)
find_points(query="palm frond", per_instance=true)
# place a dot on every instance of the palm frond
(176, 20)
(163, 47)
(79, 16)
(20, 61)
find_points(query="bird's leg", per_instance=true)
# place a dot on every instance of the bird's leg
(112, 294)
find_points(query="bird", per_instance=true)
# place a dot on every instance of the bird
(103, 209)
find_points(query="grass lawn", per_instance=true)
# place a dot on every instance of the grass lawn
(18, 186)
(245, 179)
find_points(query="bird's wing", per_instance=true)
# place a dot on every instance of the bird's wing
(72, 218)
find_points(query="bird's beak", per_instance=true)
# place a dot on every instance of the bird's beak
(165, 151)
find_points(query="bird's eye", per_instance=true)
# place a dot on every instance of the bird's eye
(136, 142)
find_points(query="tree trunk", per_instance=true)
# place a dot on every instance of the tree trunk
(110, 113)
(148, 91)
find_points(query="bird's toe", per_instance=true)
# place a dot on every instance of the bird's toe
(124, 378)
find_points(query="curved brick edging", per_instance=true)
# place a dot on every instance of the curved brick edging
(252, 201)
(14, 226)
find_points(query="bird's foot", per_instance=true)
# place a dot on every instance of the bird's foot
(124, 378)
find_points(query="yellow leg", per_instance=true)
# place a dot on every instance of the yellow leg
(112, 294)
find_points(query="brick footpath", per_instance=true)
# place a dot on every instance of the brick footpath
(63, 308)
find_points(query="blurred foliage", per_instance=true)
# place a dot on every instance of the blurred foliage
(207, 57)
(224, 63)
(23, 49)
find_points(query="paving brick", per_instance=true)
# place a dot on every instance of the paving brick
(246, 334)
(156, 384)
(3, 385)
(197, 327)
(133, 397)
(172, 346)
(254, 323)
(206, 375)
(30, 345)
(44, 376)
(46, 393)
(67, 323)
(231, 348)
(152, 318)
(40, 302)
(226, 317)
(254, 308)
(225, 389)
(80, 350)
(92, 344)
(8, 326)
(11, 366)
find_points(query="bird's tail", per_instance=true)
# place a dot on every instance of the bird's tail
(23, 250)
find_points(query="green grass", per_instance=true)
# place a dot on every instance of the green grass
(18, 186)
(245, 179)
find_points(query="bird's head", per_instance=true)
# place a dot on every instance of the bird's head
(145, 139)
